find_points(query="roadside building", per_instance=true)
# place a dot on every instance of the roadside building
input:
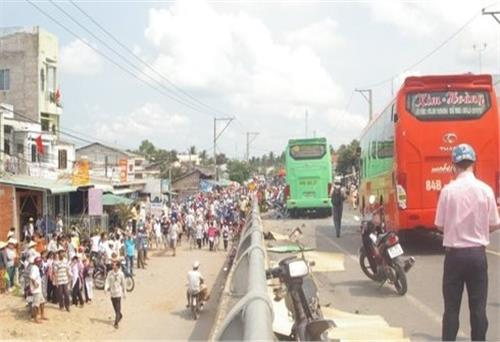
(122, 170)
(190, 182)
(35, 164)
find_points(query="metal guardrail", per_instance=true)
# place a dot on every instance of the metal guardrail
(250, 319)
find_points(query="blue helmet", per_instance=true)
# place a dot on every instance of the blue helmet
(463, 152)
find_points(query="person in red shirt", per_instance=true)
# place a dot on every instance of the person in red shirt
(212, 233)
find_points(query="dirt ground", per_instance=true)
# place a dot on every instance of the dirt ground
(156, 309)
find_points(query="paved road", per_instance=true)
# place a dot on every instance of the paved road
(419, 312)
(154, 310)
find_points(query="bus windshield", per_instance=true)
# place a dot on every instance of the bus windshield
(315, 151)
(448, 105)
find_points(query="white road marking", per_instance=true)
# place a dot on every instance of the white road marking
(489, 251)
(428, 311)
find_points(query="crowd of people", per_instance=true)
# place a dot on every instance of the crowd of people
(60, 268)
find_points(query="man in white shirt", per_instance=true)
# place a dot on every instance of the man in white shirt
(195, 281)
(36, 289)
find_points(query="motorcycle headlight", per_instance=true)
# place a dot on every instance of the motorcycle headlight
(297, 269)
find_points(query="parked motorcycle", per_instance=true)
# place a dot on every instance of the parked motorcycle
(101, 273)
(381, 256)
(301, 293)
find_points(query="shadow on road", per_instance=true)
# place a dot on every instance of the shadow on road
(368, 288)
(422, 243)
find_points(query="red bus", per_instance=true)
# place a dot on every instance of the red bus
(406, 150)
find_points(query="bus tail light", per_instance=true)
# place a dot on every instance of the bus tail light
(401, 190)
(287, 191)
(329, 188)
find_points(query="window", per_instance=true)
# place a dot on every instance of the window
(307, 151)
(33, 153)
(448, 105)
(63, 159)
(45, 121)
(4, 79)
(42, 79)
(51, 79)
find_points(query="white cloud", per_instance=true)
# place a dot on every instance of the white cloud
(79, 59)
(318, 35)
(148, 121)
(235, 57)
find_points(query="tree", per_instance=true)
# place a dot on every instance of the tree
(221, 159)
(347, 158)
(192, 149)
(203, 157)
(238, 171)
(147, 148)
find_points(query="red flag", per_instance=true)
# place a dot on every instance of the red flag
(39, 145)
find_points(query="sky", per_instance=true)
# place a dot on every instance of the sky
(283, 69)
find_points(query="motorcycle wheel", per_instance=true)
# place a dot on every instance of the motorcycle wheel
(400, 282)
(195, 307)
(365, 265)
(99, 280)
(129, 283)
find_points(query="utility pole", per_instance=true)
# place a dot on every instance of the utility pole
(307, 121)
(216, 136)
(249, 135)
(369, 99)
(480, 50)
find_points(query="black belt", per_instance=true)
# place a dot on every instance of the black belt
(453, 249)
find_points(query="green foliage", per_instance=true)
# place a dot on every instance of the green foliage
(238, 171)
(347, 158)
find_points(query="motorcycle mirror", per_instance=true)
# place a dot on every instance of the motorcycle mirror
(371, 199)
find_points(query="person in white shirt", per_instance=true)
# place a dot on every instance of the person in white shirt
(172, 235)
(195, 283)
(158, 233)
(35, 278)
(115, 284)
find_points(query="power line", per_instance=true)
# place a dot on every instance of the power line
(429, 54)
(117, 41)
(109, 59)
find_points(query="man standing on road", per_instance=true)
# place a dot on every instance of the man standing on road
(338, 198)
(36, 289)
(466, 214)
(115, 284)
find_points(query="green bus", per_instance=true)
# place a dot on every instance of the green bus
(308, 169)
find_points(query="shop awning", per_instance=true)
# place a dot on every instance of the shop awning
(40, 184)
(123, 191)
(109, 199)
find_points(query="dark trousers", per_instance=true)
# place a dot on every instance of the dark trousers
(117, 306)
(469, 267)
(51, 292)
(130, 264)
(76, 293)
(140, 258)
(198, 242)
(225, 244)
(11, 271)
(63, 296)
(337, 217)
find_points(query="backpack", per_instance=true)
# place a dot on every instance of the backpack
(337, 197)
